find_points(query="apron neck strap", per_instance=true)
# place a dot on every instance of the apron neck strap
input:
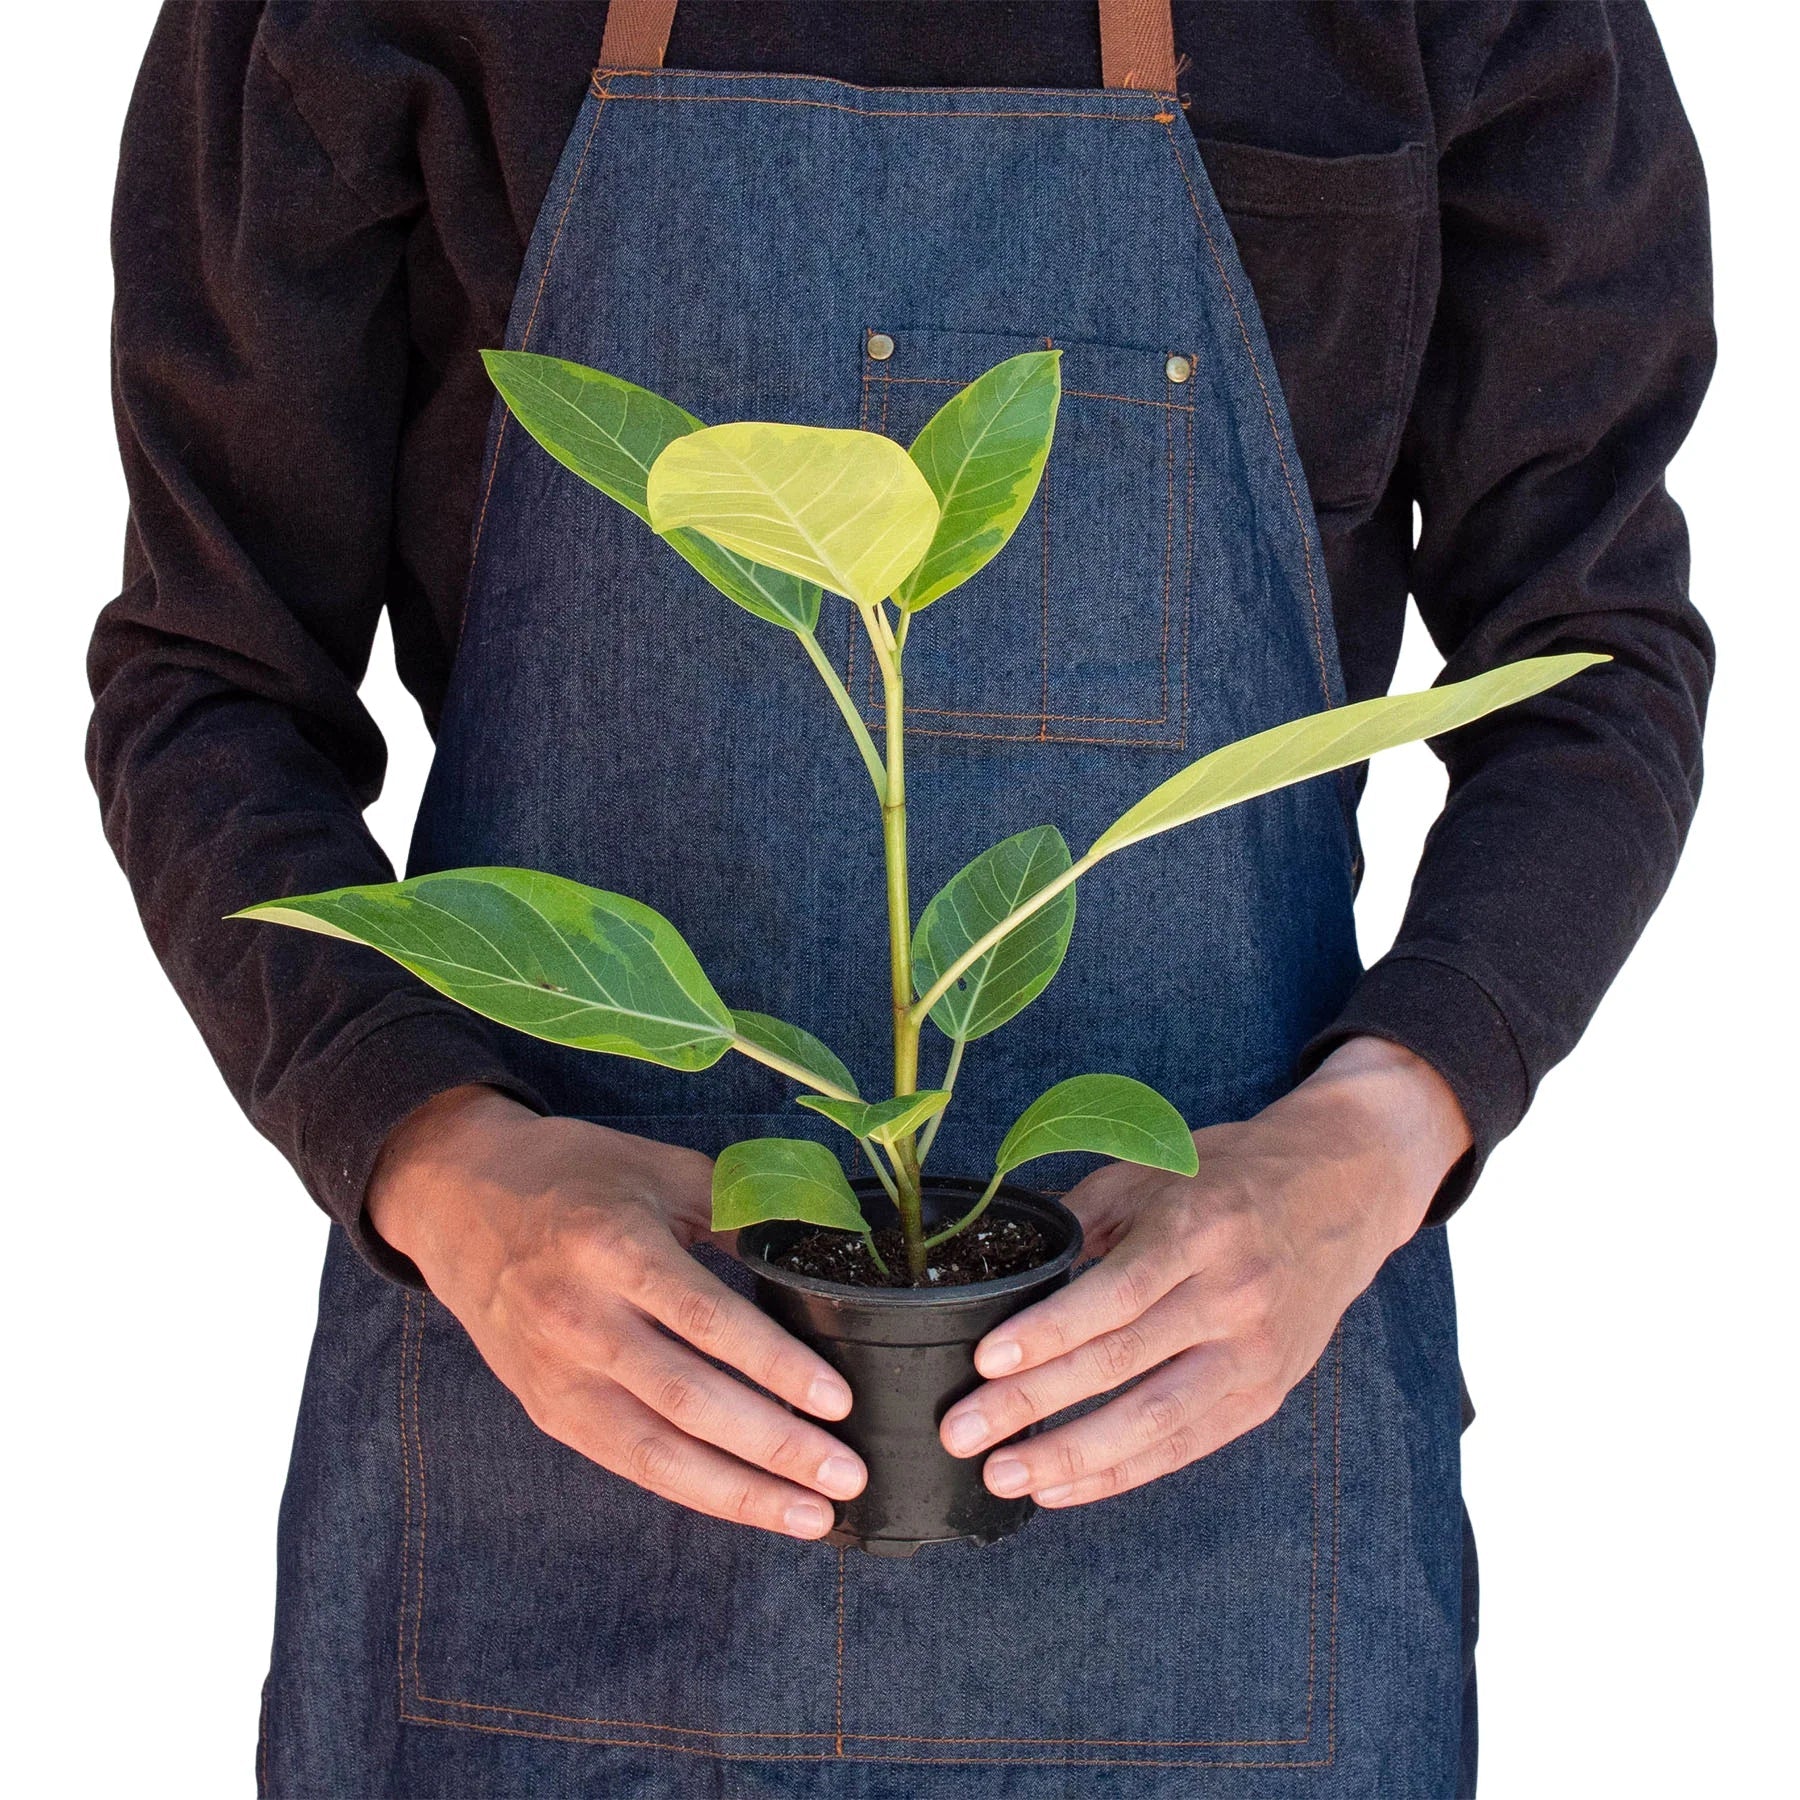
(1137, 40)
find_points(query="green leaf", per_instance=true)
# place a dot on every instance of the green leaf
(847, 509)
(1011, 975)
(1331, 740)
(609, 432)
(606, 430)
(796, 1045)
(883, 1120)
(1110, 1114)
(563, 962)
(782, 1178)
(983, 452)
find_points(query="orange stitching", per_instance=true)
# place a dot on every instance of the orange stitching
(958, 712)
(1337, 1396)
(1125, 96)
(1068, 393)
(1187, 593)
(1014, 737)
(262, 1744)
(838, 1712)
(1312, 1591)
(1268, 408)
(1168, 559)
(525, 341)
(406, 1308)
(875, 112)
(1045, 1762)
(424, 1505)
(1043, 730)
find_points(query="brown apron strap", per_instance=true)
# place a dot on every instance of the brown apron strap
(1137, 40)
(636, 34)
(1137, 44)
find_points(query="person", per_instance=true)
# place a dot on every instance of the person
(549, 1525)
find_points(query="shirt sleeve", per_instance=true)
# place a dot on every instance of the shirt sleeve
(1570, 348)
(260, 359)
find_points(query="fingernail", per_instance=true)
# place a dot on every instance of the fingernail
(1052, 1496)
(965, 1432)
(807, 1519)
(996, 1359)
(827, 1399)
(841, 1476)
(1007, 1477)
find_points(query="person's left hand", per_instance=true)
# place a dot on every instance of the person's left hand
(1221, 1290)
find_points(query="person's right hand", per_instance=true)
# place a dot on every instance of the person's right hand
(562, 1248)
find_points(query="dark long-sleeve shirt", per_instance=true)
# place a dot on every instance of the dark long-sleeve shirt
(1478, 236)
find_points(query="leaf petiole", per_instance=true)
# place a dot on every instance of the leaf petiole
(845, 705)
(951, 1070)
(875, 1256)
(968, 1218)
(880, 1168)
(782, 1065)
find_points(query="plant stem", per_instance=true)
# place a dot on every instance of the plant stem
(899, 908)
(773, 1059)
(968, 1218)
(852, 717)
(948, 1084)
(988, 939)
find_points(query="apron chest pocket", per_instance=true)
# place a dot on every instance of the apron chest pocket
(1077, 631)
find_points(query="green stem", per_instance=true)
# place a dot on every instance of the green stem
(968, 1218)
(773, 1059)
(874, 1254)
(852, 717)
(899, 910)
(948, 1084)
(988, 939)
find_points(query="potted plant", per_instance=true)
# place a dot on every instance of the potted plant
(895, 1278)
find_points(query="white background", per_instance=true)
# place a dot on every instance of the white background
(1626, 1270)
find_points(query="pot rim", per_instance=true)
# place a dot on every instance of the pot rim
(1009, 1196)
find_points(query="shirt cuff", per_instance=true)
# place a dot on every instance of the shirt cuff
(1440, 1012)
(386, 1072)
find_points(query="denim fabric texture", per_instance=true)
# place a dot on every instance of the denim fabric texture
(468, 1608)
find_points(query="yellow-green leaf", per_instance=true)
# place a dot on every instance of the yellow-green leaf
(885, 1121)
(1321, 742)
(847, 509)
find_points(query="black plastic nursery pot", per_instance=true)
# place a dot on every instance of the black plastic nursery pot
(909, 1356)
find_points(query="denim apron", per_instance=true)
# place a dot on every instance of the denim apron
(468, 1608)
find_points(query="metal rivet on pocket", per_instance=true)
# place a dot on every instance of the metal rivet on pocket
(881, 346)
(1178, 368)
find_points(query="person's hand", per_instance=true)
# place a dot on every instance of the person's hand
(562, 1248)
(1216, 1293)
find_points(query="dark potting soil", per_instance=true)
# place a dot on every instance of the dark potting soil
(988, 1250)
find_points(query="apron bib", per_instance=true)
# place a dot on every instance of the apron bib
(468, 1608)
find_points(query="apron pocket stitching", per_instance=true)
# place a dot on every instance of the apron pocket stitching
(412, 1598)
(1042, 718)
